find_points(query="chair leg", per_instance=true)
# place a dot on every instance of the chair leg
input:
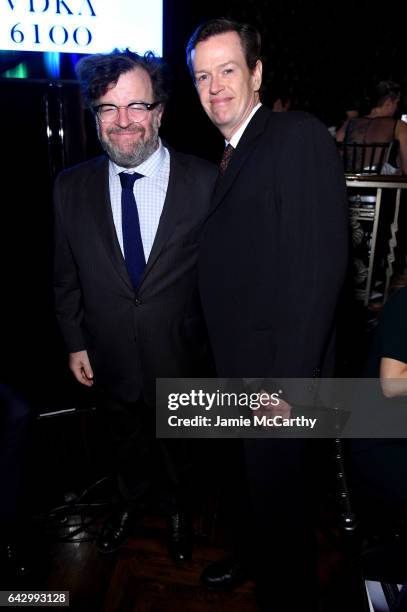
(348, 520)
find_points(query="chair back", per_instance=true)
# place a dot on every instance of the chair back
(364, 158)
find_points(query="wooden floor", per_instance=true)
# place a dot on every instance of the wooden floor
(141, 578)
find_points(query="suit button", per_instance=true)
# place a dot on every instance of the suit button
(137, 301)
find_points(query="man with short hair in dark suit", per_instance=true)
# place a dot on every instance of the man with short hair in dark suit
(271, 265)
(127, 227)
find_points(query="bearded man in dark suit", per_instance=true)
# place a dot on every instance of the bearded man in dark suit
(127, 226)
(272, 261)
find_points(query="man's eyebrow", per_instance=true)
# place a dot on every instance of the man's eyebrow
(219, 66)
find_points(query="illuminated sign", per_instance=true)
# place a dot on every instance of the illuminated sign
(81, 26)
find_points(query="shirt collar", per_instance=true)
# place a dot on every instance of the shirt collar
(234, 141)
(149, 167)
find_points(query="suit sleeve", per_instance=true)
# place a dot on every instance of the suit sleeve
(313, 247)
(67, 291)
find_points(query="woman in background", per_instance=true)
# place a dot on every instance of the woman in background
(378, 126)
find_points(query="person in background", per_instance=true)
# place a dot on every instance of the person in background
(127, 226)
(272, 261)
(352, 113)
(379, 125)
(376, 465)
(351, 105)
(392, 341)
(281, 104)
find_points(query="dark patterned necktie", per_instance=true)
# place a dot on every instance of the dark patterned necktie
(227, 154)
(132, 243)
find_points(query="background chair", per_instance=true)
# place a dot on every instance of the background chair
(365, 158)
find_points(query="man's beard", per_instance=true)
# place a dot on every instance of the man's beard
(141, 150)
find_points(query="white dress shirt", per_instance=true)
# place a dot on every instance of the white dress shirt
(234, 141)
(149, 193)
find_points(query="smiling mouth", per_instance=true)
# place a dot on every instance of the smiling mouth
(220, 101)
(127, 131)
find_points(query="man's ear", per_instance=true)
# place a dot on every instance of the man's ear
(257, 75)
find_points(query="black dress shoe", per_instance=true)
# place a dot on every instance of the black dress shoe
(114, 531)
(180, 539)
(224, 575)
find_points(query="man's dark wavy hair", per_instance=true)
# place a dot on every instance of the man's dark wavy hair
(249, 37)
(98, 72)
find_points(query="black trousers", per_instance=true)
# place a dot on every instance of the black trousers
(148, 470)
(270, 507)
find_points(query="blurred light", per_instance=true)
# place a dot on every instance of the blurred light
(74, 57)
(18, 72)
(52, 63)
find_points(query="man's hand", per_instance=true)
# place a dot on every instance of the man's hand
(80, 367)
(282, 409)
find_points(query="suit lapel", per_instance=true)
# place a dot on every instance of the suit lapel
(98, 192)
(244, 149)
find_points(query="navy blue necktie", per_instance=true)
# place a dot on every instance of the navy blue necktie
(132, 243)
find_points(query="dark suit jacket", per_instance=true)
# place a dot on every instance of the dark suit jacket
(131, 338)
(273, 251)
